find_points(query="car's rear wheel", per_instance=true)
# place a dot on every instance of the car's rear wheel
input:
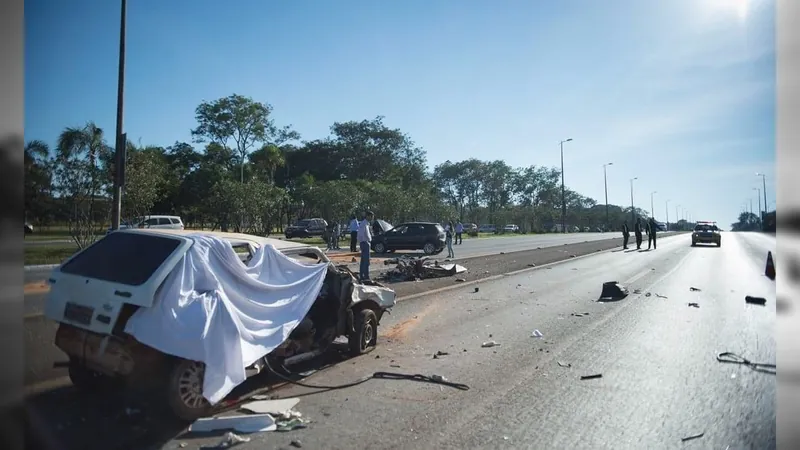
(185, 390)
(380, 247)
(719, 243)
(694, 244)
(429, 248)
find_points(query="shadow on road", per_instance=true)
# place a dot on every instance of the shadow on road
(65, 418)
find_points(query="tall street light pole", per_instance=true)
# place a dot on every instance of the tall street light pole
(652, 209)
(120, 142)
(666, 211)
(759, 201)
(605, 184)
(764, 180)
(563, 198)
(633, 209)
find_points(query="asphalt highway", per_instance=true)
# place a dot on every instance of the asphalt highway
(661, 382)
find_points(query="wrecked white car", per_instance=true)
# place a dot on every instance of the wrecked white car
(196, 313)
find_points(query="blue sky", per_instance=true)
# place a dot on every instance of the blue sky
(679, 93)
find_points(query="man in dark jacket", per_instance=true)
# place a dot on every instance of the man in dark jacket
(651, 237)
(626, 234)
(637, 231)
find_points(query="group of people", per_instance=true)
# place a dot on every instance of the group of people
(650, 227)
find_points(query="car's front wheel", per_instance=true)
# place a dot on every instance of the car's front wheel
(380, 247)
(364, 336)
(185, 390)
(429, 248)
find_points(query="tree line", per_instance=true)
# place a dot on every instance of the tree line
(242, 172)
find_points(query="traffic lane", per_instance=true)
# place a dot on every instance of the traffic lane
(483, 246)
(660, 382)
(756, 244)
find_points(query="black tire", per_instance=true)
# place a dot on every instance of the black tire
(185, 390)
(380, 247)
(694, 244)
(364, 337)
(719, 243)
(86, 379)
(429, 248)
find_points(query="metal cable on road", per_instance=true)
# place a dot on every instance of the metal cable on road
(433, 379)
(733, 358)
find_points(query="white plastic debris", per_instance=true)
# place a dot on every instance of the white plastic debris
(243, 424)
(490, 344)
(230, 439)
(537, 334)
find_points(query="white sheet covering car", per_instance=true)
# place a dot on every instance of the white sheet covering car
(189, 295)
(215, 310)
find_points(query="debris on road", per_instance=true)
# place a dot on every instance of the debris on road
(579, 314)
(537, 334)
(694, 289)
(568, 365)
(689, 438)
(412, 268)
(460, 280)
(531, 265)
(439, 353)
(647, 294)
(591, 377)
(661, 296)
(490, 344)
(243, 424)
(273, 407)
(476, 289)
(755, 300)
(296, 443)
(229, 440)
(613, 291)
(694, 305)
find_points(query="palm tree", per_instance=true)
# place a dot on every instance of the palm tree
(81, 177)
(267, 159)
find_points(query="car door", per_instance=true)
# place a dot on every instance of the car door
(394, 238)
(164, 222)
(416, 237)
(149, 223)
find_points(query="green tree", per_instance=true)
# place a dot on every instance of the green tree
(81, 180)
(241, 120)
(145, 179)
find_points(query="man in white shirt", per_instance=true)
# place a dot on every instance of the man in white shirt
(459, 230)
(353, 233)
(365, 241)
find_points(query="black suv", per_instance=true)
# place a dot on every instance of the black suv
(306, 228)
(426, 236)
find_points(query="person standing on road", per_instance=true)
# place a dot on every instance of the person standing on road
(459, 232)
(448, 231)
(626, 234)
(337, 232)
(652, 225)
(353, 233)
(364, 242)
(637, 231)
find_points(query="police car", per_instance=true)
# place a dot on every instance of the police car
(706, 233)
